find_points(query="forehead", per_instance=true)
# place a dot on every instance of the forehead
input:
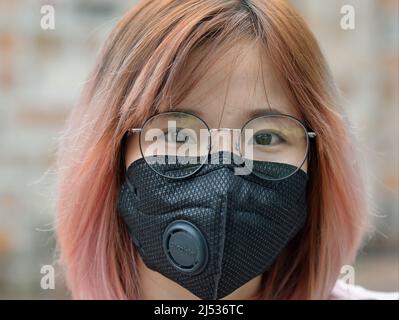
(239, 86)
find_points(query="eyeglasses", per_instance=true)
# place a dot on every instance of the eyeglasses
(177, 144)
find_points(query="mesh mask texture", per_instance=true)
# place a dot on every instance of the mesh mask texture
(246, 221)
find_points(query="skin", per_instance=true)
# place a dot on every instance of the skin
(225, 98)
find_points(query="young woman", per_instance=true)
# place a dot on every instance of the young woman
(132, 228)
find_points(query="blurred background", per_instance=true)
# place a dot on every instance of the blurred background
(41, 75)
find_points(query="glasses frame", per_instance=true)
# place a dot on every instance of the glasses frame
(309, 135)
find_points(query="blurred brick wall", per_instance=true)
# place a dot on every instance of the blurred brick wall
(41, 74)
(365, 64)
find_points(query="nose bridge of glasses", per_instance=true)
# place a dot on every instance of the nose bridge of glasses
(225, 139)
(223, 129)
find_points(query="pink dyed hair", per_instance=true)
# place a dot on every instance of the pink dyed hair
(138, 71)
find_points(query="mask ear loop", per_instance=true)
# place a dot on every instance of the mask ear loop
(123, 170)
(311, 157)
(311, 141)
(123, 177)
(122, 154)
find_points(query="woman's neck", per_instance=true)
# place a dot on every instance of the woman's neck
(155, 286)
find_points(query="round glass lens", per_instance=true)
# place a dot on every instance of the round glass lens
(276, 144)
(175, 144)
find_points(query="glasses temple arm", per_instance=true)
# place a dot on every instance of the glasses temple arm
(311, 134)
(134, 130)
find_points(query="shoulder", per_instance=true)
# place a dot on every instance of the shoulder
(344, 291)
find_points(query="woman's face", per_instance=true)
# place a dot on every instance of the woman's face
(232, 92)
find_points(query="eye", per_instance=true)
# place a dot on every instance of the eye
(178, 135)
(267, 138)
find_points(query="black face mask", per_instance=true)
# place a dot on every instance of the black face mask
(214, 231)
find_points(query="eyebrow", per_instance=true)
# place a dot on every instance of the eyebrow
(181, 109)
(250, 114)
(263, 112)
